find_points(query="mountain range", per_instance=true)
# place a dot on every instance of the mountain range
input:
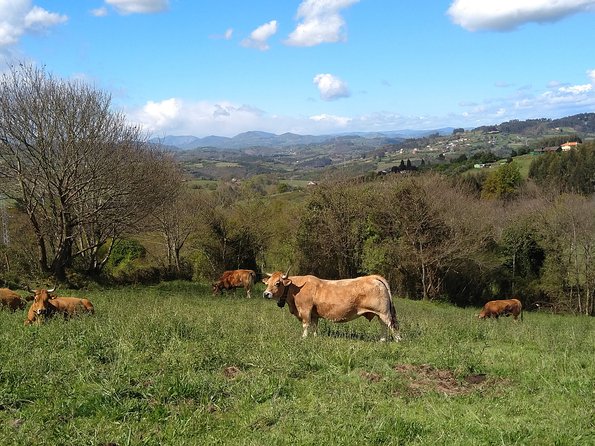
(254, 139)
(582, 123)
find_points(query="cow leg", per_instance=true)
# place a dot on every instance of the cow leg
(306, 322)
(389, 325)
(305, 325)
(314, 326)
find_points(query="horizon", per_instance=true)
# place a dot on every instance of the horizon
(313, 67)
(312, 134)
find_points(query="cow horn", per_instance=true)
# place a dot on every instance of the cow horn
(287, 272)
(52, 290)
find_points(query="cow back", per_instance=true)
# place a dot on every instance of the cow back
(345, 299)
(72, 305)
(11, 299)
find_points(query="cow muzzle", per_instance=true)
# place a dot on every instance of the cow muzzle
(267, 295)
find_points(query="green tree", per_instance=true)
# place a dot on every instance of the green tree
(503, 183)
(523, 253)
(332, 231)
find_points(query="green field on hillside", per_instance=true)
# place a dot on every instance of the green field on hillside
(173, 365)
(524, 163)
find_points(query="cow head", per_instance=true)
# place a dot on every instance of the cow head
(277, 287)
(41, 305)
(217, 287)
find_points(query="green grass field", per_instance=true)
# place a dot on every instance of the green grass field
(173, 365)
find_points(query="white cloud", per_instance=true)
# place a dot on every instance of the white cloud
(335, 121)
(591, 74)
(556, 101)
(225, 36)
(331, 87)
(507, 15)
(99, 12)
(138, 6)
(161, 113)
(576, 89)
(321, 22)
(19, 17)
(258, 38)
(38, 19)
(175, 116)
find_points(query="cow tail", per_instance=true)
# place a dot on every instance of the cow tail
(393, 311)
(393, 314)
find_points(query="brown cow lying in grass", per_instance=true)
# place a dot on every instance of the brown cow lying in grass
(506, 307)
(11, 300)
(46, 304)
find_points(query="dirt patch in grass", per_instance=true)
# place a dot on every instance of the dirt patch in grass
(424, 378)
(231, 372)
(372, 377)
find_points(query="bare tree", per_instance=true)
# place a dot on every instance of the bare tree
(177, 220)
(79, 171)
(568, 231)
(427, 230)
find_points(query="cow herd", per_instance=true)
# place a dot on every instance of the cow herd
(45, 304)
(308, 298)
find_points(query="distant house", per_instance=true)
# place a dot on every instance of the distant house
(569, 146)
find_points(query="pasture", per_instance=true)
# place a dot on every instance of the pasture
(174, 365)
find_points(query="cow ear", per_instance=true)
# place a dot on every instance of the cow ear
(286, 282)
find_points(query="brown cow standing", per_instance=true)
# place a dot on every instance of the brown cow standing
(47, 305)
(234, 279)
(310, 298)
(505, 307)
(11, 300)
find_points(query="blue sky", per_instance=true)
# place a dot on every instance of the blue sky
(206, 67)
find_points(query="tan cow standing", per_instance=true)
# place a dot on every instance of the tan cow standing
(310, 298)
(47, 305)
(11, 300)
(504, 307)
(233, 279)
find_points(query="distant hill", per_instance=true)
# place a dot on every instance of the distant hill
(255, 139)
(581, 123)
(264, 143)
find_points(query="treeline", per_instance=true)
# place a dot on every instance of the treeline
(435, 239)
(572, 171)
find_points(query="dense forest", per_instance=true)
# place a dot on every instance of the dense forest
(86, 201)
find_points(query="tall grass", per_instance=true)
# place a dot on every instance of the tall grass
(173, 365)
